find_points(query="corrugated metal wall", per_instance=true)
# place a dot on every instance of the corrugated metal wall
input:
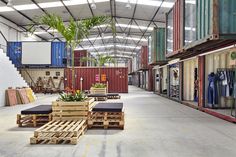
(158, 45)
(150, 79)
(78, 55)
(178, 25)
(14, 52)
(216, 17)
(144, 57)
(227, 12)
(117, 78)
(204, 14)
(58, 53)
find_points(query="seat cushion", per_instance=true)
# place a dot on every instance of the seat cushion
(41, 109)
(108, 107)
(113, 94)
(97, 95)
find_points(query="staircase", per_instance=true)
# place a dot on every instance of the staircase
(9, 76)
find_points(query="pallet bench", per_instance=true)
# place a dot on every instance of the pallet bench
(59, 132)
(98, 97)
(113, 96)
(35, 116)
(107, 115)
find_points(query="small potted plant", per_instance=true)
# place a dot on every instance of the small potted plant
(98, 88)
(72, 105)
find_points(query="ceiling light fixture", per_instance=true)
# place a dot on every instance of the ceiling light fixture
(93, 5)
(9, 3)
(128, 6)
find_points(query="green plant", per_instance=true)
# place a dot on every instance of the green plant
(72, 96)
(74, 32)
(99, 85)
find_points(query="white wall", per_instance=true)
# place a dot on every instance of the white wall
(9, 76)
(12, 33)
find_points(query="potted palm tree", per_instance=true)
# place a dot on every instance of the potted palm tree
(73, 32)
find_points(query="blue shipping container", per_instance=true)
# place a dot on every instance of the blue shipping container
(58, 53)
(14, 52)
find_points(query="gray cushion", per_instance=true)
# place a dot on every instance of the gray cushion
(108, 107)
(41, 109)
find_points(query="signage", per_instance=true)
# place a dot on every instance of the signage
(104, 77)
(97, 78)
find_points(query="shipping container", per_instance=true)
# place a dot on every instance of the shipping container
(144, 57)
(14, 52)
(189, 21)
(117, 78)
(59, 54)
(78, 55)
(215, 25)
(130, 62)
(150, 79)
(157, 47)
(174, 27)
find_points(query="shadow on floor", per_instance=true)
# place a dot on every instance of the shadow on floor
(99, 131)
(21, 129)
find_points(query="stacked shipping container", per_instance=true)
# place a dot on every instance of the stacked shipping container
(58, 53)
(195, 26)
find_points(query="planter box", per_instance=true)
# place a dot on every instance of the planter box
(98, 90)
(71, 110)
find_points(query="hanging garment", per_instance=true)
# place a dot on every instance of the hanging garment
(222, 87)
(212, 89)
(231, 83)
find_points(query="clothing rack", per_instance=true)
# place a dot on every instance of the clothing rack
(233, 107)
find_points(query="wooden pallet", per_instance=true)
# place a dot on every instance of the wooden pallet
(100, 98)
(72, 110)
(106, 119)
(98, 90)
(114, 97)
(59, 132)
(33, 120)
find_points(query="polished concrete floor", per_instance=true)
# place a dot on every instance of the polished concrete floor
(155, 127)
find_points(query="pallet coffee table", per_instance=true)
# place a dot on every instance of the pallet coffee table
(59, 132)
(113, 96)
(98, 97)
(107, 115)
(35, 116)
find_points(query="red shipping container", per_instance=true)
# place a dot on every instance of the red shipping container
(117, 78)
(150, 78)
(144, 57)
(178, 28)
(78, 55)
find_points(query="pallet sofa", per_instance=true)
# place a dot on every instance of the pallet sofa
(35, 116)
(107, 115)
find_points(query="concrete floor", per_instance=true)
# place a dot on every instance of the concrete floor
(155, 127)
